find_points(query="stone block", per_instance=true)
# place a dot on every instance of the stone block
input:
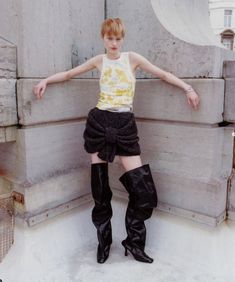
(231, 196)
(229, 103)
(43, 151)
(13, 158)
(53, 191)
(8, 134)
(11, 133)
(52, 36)
(63, 101)
(229, 69)
(188, 150)
(53, 149)
(8, 111)
(190, 166)
(156, 99)
(8, 59)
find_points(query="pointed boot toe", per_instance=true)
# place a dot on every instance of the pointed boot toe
(137, 253)
(102, 254)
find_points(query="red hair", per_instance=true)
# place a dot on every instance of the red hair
(112, 27)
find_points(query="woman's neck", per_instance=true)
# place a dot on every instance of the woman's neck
(113, 56)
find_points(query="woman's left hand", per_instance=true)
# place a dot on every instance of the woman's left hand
(193, 99)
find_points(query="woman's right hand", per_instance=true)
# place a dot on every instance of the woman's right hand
(39, 89)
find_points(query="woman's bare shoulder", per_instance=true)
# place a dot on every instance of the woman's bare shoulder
(98, 60)
(135, 59)
(135, 56)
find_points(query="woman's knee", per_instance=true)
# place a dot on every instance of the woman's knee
(130, 162)
(96, 159)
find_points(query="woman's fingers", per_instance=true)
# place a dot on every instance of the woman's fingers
(39, 90)
(195, 103)
(189, 102)
(193, 100)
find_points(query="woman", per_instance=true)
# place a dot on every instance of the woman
(111, 130)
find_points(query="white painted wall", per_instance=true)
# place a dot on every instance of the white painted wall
(217, 8)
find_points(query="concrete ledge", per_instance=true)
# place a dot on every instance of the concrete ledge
(194, 216)
(204, 202)
(50, 197)
(64, 101)
(57, 210)
(154, 99)
(53, 191)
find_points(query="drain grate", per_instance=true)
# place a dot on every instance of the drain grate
(6, 224)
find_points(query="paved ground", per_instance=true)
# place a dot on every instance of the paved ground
(64, 249)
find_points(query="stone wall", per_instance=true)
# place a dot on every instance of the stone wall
(190, 152)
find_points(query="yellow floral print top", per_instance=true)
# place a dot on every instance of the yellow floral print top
(117, 84)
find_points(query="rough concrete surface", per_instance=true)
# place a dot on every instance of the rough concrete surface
(8, 111)
(63, 101)
(164, 46)
(154, 99)
(64, 249)
(52, 36)
(8, 58)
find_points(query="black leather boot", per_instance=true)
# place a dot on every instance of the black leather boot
(102, 211)
(142, 200)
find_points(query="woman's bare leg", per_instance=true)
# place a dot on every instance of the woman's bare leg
(130, 162)
(96, 159)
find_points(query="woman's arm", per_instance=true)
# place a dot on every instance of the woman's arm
(144, 64)
(40, 88)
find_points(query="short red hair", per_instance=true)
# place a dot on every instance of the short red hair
(112, 27)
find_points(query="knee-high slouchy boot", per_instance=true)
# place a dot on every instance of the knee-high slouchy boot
(102, 211)
(142, 199)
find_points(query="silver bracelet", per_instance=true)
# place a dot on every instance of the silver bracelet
(189, 89)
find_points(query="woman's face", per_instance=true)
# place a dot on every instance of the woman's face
(112, 43)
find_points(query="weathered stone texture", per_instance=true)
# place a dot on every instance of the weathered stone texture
(7, 59)
(69, 100)
(150, 36)
(52, 36)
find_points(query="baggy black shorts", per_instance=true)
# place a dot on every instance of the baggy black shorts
(110, 134)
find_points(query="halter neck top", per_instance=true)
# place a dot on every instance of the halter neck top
(117, 84)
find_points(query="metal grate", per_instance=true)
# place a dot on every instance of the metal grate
(6, 224)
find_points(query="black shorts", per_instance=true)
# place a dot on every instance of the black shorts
(110, 134)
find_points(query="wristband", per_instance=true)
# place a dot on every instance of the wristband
(189, 89)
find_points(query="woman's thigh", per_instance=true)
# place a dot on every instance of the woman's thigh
(96, 159)
(130, 162)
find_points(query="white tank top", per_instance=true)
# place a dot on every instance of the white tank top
(117, 84)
